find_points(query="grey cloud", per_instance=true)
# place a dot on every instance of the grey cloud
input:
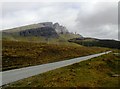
(17, 14)
(101, 22)
(11, 7)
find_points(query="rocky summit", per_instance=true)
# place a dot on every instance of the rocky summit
(58, 28)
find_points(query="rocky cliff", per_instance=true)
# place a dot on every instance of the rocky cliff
(45, 29)
(47, 32)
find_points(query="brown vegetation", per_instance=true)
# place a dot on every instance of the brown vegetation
(20, 54)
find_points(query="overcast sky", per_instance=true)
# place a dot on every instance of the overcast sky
(91, 19)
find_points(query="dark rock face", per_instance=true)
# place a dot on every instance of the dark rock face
(58, 28)
(47, 32)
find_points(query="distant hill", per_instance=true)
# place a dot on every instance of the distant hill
(96, 42)
(39, 32)
(53, 33)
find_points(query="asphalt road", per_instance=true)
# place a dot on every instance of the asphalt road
(17, 74)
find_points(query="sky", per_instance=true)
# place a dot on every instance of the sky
(90, 19)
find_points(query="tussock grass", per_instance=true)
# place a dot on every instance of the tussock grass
(96, 72)
(16, 54)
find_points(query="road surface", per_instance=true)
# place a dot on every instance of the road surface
(17, 74)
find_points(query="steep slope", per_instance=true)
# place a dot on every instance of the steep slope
(58, 28)
(40, 31)
(46, 32)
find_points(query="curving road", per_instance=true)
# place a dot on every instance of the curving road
(17, 74)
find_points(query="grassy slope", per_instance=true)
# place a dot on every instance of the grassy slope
(23, 28)
(61, 38)
(20, 54)
(96, 72)
(69, 36)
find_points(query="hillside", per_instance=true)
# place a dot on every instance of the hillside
(20, 54)
(89, 42)
(49, 32)
(41, 32)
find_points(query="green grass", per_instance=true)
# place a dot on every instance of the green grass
(63, 38)
(69, 36)
(16, 54)
(22, 28)
(96, 72)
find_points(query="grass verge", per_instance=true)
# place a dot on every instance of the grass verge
(95, 72)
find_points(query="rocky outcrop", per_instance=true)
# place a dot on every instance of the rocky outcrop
(45, 29)
(47, 32)
(60, 29)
